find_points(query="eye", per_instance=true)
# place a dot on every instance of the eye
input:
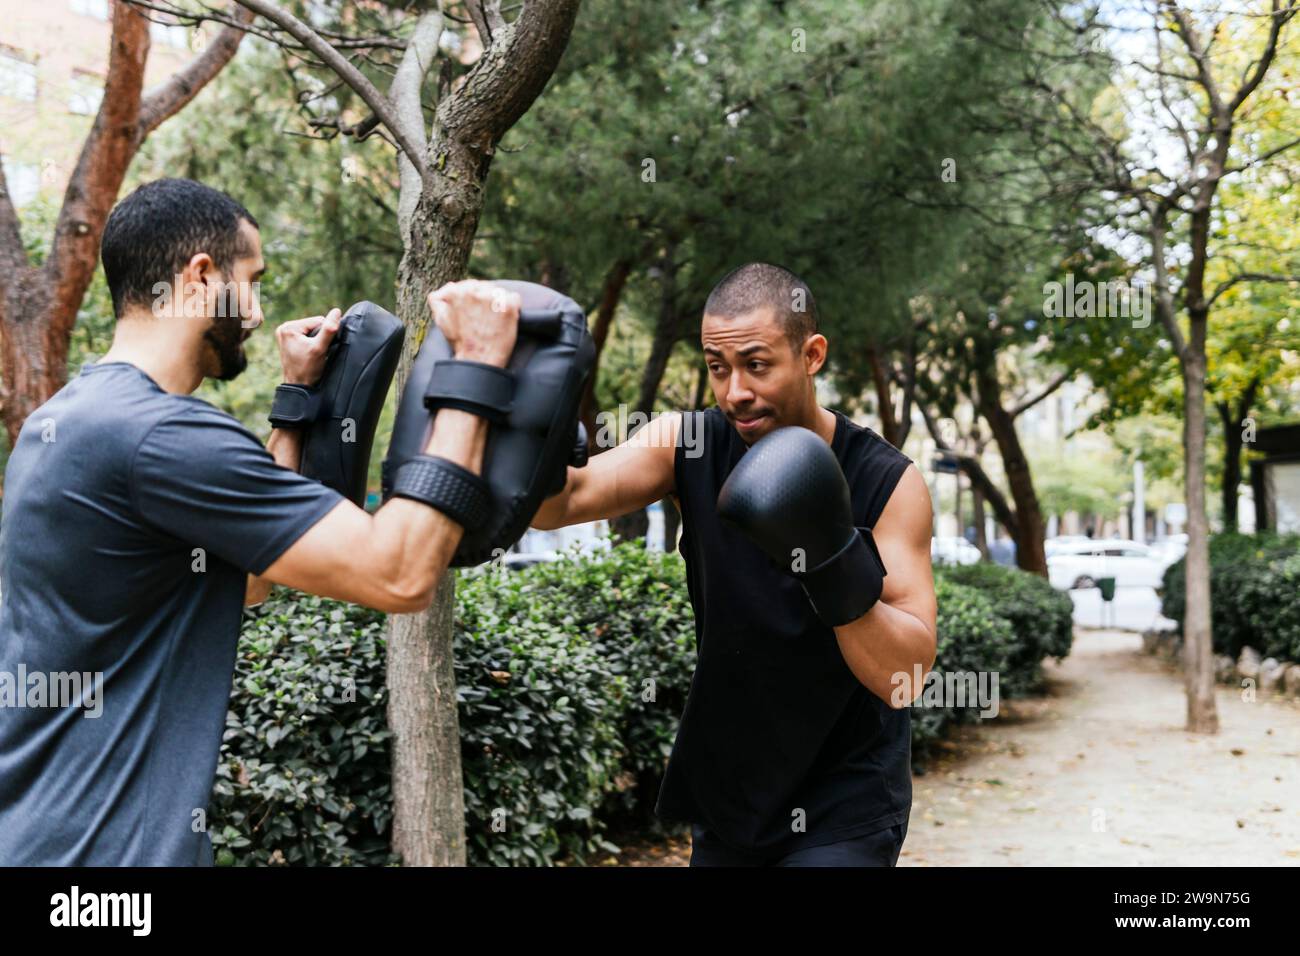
(716, 369)
(757, 366)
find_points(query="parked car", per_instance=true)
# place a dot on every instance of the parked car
(1064, 543)
(1171, 548)
(1079, 564)
(951, 550)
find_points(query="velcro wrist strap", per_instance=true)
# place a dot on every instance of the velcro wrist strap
(476, 387)
(848, 585)
(455, 491)
(295, 406)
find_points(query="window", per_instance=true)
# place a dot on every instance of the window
(98, 9)
(17, 74)
(87, 91)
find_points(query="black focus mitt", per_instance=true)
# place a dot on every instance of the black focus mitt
(339, 414)
(533, 435)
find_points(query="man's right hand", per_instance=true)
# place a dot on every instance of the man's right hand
(480, 320)
(304, 345)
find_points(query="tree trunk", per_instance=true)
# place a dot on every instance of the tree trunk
(977, 510)
(1030, 527)
(428, 790)
(672, 521)
(632, 526)
(665, 336)
(889, 429)
(636, 524)
(38, 304)
(1198, 658)
(610, 294)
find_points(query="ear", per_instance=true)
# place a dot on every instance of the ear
(201, 269)
(814, 353)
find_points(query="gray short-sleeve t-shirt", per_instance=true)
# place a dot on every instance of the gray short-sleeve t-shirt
(131, 519)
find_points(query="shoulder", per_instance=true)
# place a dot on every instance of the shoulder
(879, 473)
(193, 434)
(908, 511)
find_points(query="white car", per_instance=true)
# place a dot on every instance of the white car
(1171, 548)
(1080, 564)
(952, 550)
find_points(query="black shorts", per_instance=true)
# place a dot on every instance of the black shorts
(880, 848)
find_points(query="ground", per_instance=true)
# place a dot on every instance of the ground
(1099, 772)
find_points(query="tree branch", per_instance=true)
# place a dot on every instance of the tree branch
(169, 98)
(1241, 277)
(405, 94)
(406, 139)
(1052, 386)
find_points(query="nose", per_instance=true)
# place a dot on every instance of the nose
(738, 392)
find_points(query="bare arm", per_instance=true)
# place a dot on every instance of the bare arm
(392, 560)
(897, 635)
(637, 473)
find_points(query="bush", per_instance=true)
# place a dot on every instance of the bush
(571, 678)
(973, 637)
(1041, 617)
(1253, 594)
(599, 653)
(303, 777)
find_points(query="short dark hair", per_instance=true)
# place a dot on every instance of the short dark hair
(758, 284)
(154, 232)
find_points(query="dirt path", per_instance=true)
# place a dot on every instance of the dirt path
(1100, 773)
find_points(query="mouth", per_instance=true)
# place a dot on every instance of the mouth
(749, 423)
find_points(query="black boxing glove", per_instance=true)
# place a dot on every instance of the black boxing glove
(788, 495)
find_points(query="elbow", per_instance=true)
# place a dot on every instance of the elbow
(417, 594)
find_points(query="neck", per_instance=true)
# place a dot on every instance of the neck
(823, 423)
(147, 343)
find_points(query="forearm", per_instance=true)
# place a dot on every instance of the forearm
(884, 643)
(411, 543)
(285, 446)
(554, 510)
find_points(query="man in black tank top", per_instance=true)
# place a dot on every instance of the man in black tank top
(795, 744)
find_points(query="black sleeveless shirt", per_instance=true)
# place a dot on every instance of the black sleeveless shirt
(780, 747)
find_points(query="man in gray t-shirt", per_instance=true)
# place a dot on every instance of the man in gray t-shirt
(138, 519)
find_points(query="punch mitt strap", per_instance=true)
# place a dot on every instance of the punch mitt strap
(455, 491)
(476, 387)
(295, 406)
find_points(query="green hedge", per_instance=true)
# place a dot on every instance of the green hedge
(303, 776)
(973, 637)
(1254, 594)
(1041, 617)
(599, 653)
(571, 677)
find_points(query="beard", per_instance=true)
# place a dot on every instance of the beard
(226, 336)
